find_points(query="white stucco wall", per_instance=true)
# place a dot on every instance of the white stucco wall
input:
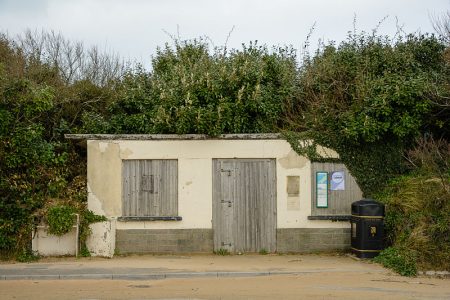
(46, 244)
(101, 241)
(195, 178)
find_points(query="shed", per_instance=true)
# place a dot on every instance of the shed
(195, 193)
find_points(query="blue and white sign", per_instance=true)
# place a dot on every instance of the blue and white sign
(337, 181)
(322, 189)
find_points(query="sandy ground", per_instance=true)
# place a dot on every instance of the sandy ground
(311, 286)
(325, 277)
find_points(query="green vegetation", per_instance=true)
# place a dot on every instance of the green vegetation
(418, 210)
(60, 219)
(377, 101)
(38, 167)
(263, 252)
(401, 260)
(192, 90)
(368, 98)
(222, 251)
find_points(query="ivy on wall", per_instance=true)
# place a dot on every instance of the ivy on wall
(367, 99)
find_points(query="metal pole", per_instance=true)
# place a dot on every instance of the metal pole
(77, 237)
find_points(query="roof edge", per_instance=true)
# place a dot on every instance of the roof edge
(159, 137)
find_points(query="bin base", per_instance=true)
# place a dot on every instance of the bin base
(365, 253)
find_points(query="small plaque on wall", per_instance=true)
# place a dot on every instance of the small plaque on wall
(322, 189)
(337, 181)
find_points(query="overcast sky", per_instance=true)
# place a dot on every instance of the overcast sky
(134, 28)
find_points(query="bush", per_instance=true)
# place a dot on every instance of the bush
(402, 261)
(60, 219)
(193, 89)
(222, 251)
(418, 206)
(368, 99)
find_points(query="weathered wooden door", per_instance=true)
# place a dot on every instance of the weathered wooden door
(244, 204)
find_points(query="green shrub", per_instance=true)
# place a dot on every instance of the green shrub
(60, 219)
(263, 251)
(27, 256)
(222, 251)
(368, 98)
(402, 261)
(418, 206)
(84, 251)
(193, 89)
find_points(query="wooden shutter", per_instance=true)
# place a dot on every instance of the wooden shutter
(150, 188)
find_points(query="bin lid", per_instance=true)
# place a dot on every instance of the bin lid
(367, 207)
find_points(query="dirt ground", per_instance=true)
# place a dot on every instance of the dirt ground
(322, 277)
(311, 286)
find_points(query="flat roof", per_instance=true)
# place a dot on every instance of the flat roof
(157, 137)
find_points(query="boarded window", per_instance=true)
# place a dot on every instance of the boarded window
(150, 188)
(293, 186)
(293, 193)
(342, 190)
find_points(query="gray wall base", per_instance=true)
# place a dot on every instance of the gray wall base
(289, 240)
(312, 239)
(164, 240)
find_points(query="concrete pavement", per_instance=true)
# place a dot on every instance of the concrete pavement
(213, 277)
(147, 267)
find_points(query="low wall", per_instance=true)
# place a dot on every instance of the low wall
(46, 244)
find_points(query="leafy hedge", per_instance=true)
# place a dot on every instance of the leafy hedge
(37, 166)
(368, 98)
(418, 208)
(194, 90)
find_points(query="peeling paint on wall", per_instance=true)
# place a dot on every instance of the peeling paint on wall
(293, 160)
(104, 177)
(94, 203)
(102, 240)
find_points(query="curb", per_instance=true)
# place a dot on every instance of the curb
(150, 276)
(441, 274)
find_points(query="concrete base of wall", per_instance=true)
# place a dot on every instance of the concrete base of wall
(312, 239)
(293, 240)
(46, 244)
(164, 240)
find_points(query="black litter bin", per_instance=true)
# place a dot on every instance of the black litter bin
(367, 228)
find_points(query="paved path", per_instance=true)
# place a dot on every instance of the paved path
(167, 266)
(213, 277)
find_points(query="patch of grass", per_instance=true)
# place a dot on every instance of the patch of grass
(84, 252)
(222, 252)
(402, 261)
(263, 251)
(27, 256)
